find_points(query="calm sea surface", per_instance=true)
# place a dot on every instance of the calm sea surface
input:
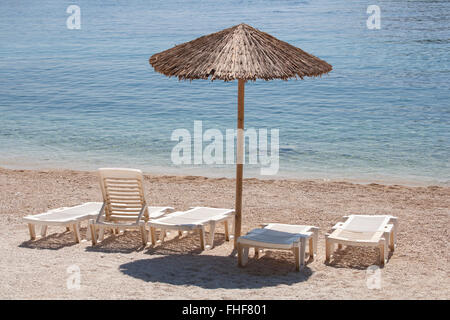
(88, 98)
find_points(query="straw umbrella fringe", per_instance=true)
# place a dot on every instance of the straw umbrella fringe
(238, 53)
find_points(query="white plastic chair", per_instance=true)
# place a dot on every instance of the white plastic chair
(124, 206)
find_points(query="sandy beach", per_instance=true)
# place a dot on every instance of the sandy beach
(119, 268)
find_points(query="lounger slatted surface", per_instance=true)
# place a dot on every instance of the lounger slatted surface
(364, 230)
(370, 237)
(281, 237)
(366, 223)
(157, 212)
(283, 240)
(70, 217)
(194, 219)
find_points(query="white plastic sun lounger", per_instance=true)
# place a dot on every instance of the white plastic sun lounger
(69, 217)
(195, 218)
(281, 237)
(364, 230)
(124, 205)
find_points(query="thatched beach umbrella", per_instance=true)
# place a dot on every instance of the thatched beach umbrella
(243, 53)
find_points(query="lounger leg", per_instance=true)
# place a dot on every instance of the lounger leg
(242, 255)
(153, 235)
(43, 231)
(311, 248)
(239, 253)
(232, 227)
(79, 231)
(77, 228)
(381, 245)
(302, 252)
(143, 235)
(296, 251)
(386, 250)
(394, 233)
(212, 229)
(327, 248)
(246, 251)
(315, 239)
(386, 245)
(256, 252)
(76, 233)
(201, 231)
(391, 241)
(32, 230)
(92, 229)
(88, 233)
(101, 233)
(162, 235)
(227, 233)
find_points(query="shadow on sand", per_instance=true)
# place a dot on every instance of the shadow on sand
(126, 242)
(54, 241)
(187, 244)
(359, 258)
(130, 241)
(181, 263)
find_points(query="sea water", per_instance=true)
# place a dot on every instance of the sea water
(87, 98)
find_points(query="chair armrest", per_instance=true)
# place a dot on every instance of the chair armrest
(100, 216)
(141, 213)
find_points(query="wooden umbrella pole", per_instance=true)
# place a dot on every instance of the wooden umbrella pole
(239, 160)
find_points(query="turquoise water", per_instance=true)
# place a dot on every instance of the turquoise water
(88, 98)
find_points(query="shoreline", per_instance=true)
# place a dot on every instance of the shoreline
(384, 181)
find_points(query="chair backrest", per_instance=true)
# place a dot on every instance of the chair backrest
(123, 194)
(366, 223)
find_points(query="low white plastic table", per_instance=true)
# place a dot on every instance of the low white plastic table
(280, 237)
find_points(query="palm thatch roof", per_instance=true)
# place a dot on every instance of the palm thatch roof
(239, 52)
